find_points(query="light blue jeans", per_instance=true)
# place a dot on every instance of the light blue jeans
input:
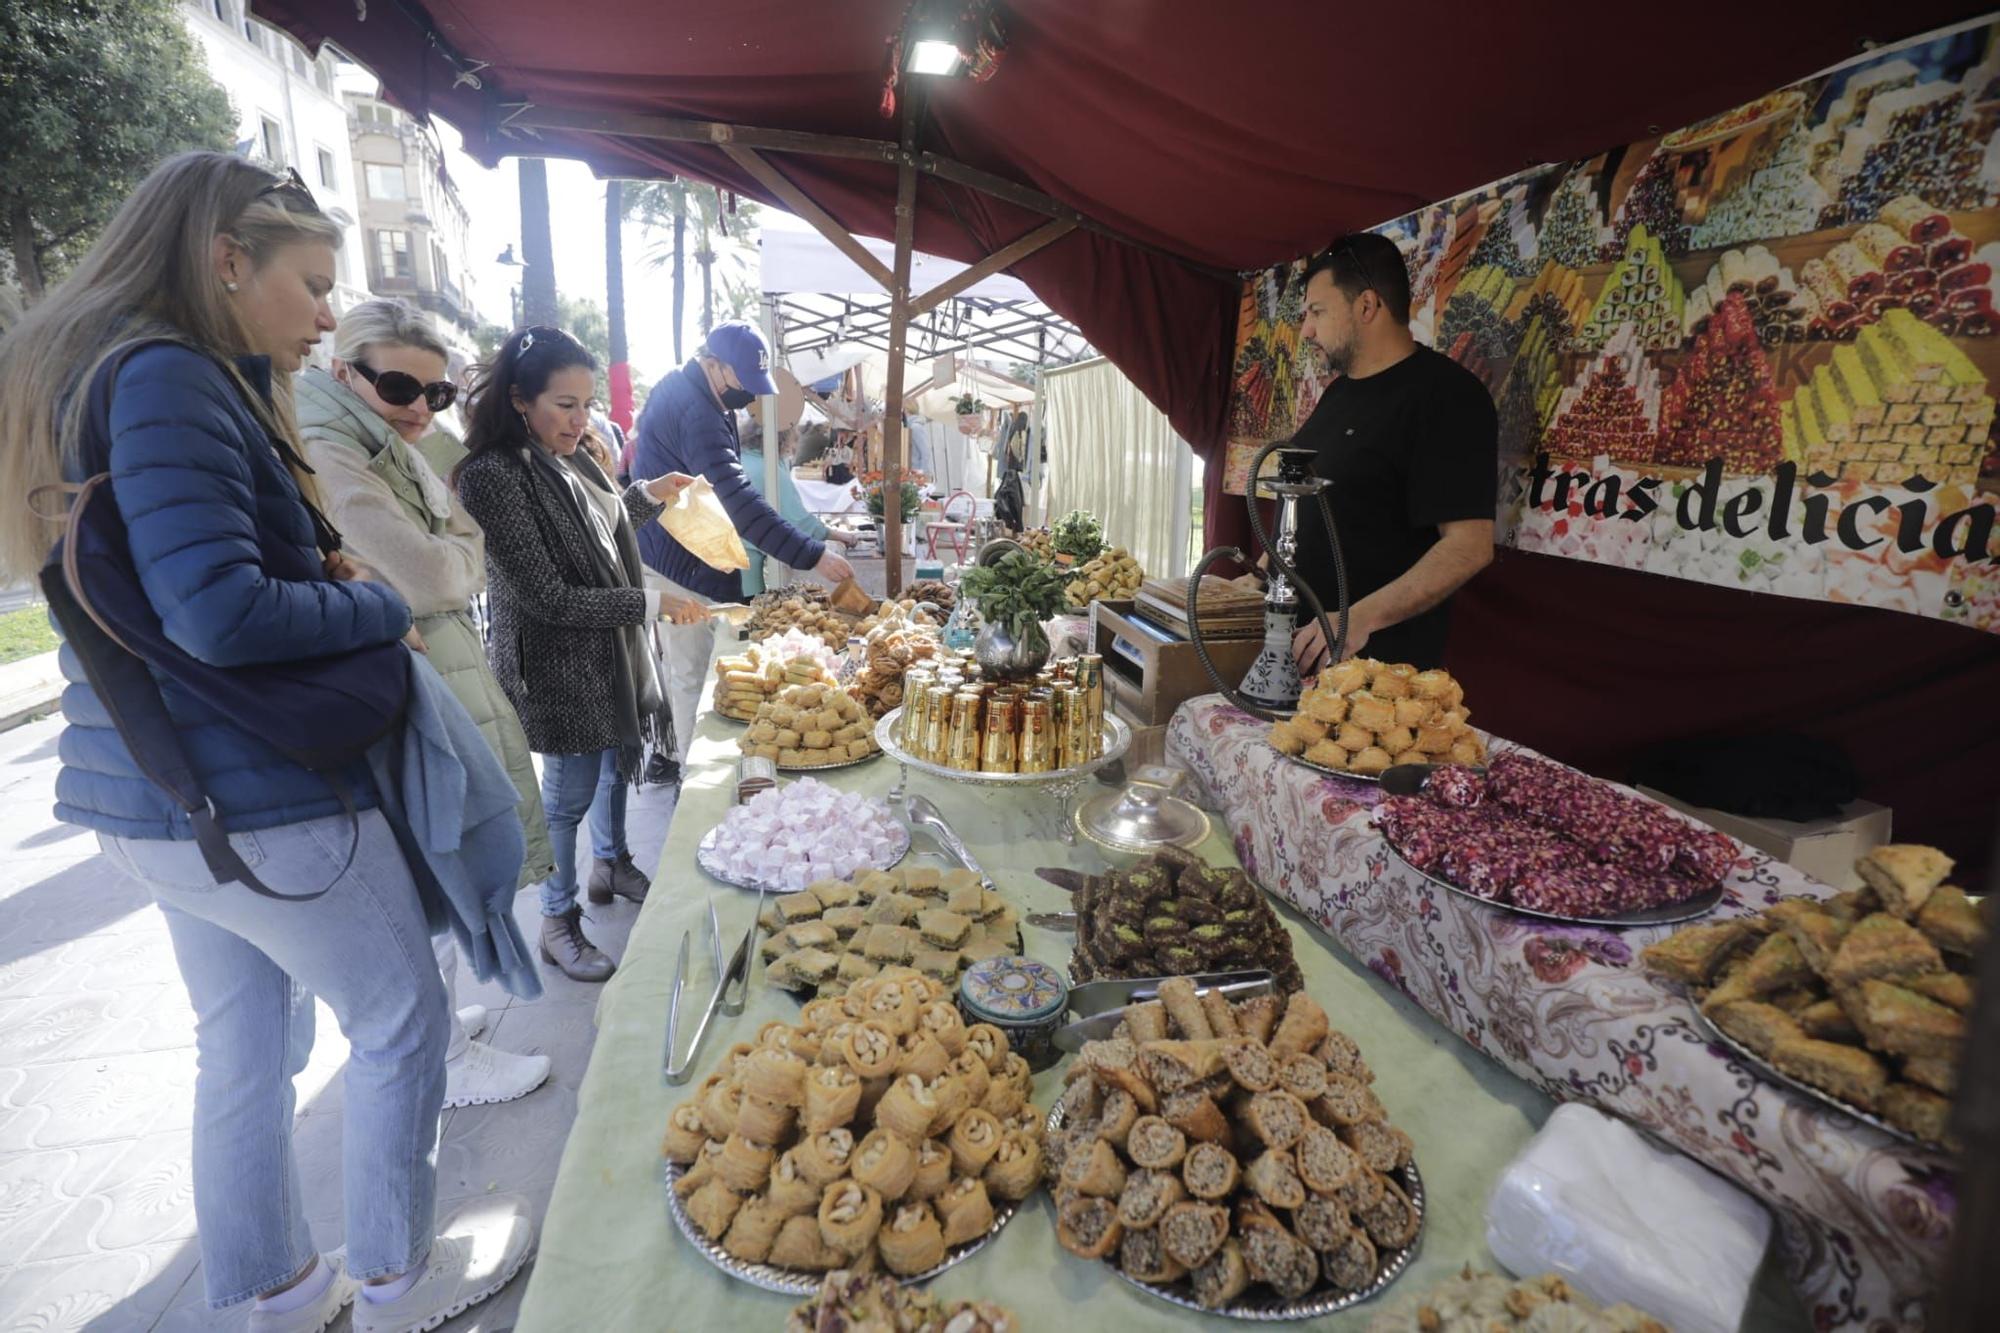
(252, 967)
(572, 785)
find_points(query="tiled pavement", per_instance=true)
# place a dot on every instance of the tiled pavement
(97, 1083)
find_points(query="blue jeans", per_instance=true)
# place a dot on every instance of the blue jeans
(571, 785)
(251, 967)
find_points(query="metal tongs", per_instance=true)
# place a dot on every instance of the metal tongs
(735, 971)
(1102, 1004)
(924, 813)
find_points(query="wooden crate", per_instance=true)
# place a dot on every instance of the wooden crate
(1167, 674)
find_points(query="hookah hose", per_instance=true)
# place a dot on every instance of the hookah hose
(1338, 643)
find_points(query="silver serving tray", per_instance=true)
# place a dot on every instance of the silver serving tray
(704, 856)
(823, 768)
(793, 1282)
(1771, 1074)
(1270, 1308)
(1117, 739)
(1688, 909)
(1304, 762)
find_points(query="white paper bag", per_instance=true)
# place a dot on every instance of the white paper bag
(1623, 1220)
(697, 520)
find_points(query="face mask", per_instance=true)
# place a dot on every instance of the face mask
(737, 399)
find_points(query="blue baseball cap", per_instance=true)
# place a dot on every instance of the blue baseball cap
(743, 349)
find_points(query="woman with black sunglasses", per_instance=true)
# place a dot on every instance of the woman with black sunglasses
(360, 425)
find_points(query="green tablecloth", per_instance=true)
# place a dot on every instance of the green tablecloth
(611, 1257)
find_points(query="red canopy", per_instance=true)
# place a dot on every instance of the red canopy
(1236, 136)
(1240, 136)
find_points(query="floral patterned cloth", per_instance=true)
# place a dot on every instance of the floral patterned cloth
(1864, 1218)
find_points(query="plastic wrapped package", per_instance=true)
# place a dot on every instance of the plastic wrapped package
(1623, 1220)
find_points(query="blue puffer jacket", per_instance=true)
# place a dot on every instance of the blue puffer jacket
(225, 550)
(684, 429)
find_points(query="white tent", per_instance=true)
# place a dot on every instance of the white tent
(797, 259)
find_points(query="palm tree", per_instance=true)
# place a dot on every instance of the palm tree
(614, 302)
(654, 203)
(685, 202)
(538, 277)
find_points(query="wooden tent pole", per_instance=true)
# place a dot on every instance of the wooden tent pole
(993, 263)
(899, 331)
(640, 126)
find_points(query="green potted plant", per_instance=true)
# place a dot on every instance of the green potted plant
(1014, 595)
(912, 489)
(1076, 537)
(971, 413)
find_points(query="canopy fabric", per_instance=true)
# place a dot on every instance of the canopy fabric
(1225, 139)
(795, 260)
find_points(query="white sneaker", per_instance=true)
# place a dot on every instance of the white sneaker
(473, 1019)
(483, 1076)
(476, 1253)
(316, 1315)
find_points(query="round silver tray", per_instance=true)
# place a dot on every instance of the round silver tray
(1117, 739)
(1304, 762)
(826, 768)
(1771, 1074)
(1271, 1308)
(791, 1281)
(1688, 909)
(704, 856)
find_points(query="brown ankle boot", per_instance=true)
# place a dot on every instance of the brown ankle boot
(564, 947)
(620, 877)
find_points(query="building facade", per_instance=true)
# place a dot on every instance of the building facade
(288, 114)
(413, 223)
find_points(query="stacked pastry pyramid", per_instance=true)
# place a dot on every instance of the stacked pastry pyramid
(1722, 403)
(1863, 995)
(1615, 411)
(1362, 716)
(1641, 291)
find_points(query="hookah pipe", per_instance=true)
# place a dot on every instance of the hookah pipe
(1282, 566)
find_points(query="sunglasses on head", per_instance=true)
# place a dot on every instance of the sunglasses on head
(400, 390)
(1348, 249)
(292, 187)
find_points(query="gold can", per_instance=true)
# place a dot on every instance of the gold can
(1059, 713)
(916, 681)
(937, 724)
(1076, 735)
(1090, 679)
(996, 753)
(1036, 751)
(965, 718)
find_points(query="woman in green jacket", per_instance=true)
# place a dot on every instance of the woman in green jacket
(361, 425)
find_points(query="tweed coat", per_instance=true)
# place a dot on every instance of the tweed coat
(554, 637)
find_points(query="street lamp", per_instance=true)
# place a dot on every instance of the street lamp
(506, 258)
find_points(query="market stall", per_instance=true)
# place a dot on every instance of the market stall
(1635, 347)
(612, 1257)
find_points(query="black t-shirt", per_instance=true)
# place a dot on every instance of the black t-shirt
(1406, 449)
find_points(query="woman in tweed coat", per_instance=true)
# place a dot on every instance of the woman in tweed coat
(568, 640)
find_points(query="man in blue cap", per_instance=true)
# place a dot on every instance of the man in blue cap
(689, 425)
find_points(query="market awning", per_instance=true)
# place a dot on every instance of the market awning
(1220, 136)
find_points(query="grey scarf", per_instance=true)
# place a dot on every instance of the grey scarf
(643, 715)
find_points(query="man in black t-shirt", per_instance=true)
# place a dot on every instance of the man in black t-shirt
(1410, 441)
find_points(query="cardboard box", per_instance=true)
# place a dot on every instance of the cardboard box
(1825, 849)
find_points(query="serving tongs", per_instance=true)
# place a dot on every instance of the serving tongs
(926, 815)
(1102, 1004)
(733, 972)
